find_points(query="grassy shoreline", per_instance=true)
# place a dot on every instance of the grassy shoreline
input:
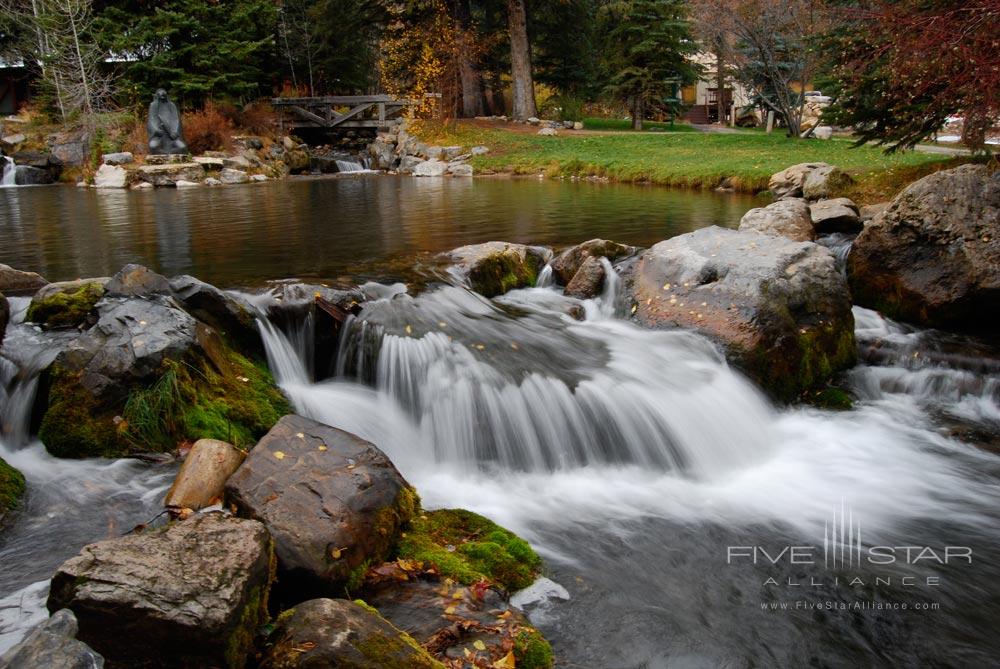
(701, 160)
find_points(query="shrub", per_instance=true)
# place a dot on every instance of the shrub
(208, 130)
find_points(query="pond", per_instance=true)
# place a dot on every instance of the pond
(326, 228)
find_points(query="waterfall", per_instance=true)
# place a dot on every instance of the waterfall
(545, 277)
(9, 177)
(350, 166)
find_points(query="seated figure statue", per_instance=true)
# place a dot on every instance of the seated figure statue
(164, 126)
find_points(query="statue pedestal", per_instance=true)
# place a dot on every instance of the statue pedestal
(167, 158)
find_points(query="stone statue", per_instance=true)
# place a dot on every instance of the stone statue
(164, 126)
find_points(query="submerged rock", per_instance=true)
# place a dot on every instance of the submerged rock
(202, 478)
(588, 280)
(784, 218)
(836, 215)
(66, 304)
(332, 501)
(493, 268)
(780, 308)
(15, 282)
(52, 645)
(567, 264)
(933, 257)
(339, 633)
(186, 595)
(11, 489)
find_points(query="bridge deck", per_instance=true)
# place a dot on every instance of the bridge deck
(363, 111)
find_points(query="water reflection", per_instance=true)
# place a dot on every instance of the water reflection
(329, 228)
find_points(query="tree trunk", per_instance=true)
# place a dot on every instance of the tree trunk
(638, 110)
(473, 102)
(520, 61)
(720, 82)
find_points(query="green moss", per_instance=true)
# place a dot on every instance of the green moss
(500, 272)
(366, 606)
(253, 615)
(532, 651)
(836, 399)
(66, 309)
(11, 488)
(468, 548)
(395, 652)
(75, 424)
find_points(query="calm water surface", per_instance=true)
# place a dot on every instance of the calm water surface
(329, 228)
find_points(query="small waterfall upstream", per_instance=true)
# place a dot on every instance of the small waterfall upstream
(9, 173)
(352, 166)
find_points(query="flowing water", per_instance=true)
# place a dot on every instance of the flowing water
(8, 177)
(663, 489)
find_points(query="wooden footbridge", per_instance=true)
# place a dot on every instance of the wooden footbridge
(340, 111)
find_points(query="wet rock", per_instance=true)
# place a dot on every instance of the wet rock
(332, 502)
(825, 182)
(788, 182)
(25, 175)
(933, 257)
(567, 263)
(110, 176)
(53, 645)
(170, 173)
(202, 478)
(836, 215)
(588, 280)
(233, 176)
(493, 268)
(780, 308)
(121, 158)
(227, 313)
(187, 595)
(66, 304)
(136, 280)
(11, 489)
(339, 633)
(430, 168)
(15, 282)
(784, 218)
(39, 160)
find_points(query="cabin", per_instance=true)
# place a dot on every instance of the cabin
(701, 99)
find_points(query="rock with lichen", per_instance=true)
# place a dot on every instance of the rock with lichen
(66, 304)
(568, 263)
(189, 594)
(493, 268)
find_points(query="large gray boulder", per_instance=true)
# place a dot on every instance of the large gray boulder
(332, 501)
(825, 182)
(16, 282)
(230, 315)
(136, 280)
(780, 309)
(566, 264)
(789, 182)
(187, 595)
(430, 168)
(53, 645)
(835, 215)
(588, 280)
(493, 268)
(170, 173)
(65, 304)
(933, 257)
(784, 218)
(25, 175)
(323, 633)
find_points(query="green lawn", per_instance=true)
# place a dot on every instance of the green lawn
(626, 124)
(688, 159)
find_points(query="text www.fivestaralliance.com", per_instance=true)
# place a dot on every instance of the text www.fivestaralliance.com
(857, 605)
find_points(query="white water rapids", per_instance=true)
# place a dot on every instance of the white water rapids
(630, 458)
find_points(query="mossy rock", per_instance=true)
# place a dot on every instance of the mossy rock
(65, 306)
(494, 268)
(532, 651)
(11, 489)
(469, 548)
(227, 397)
(832, 398)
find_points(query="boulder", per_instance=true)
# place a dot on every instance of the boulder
(430, 152)
(382, 152)
(167, 159)
(212, 181)
(25, 175)
(933, 257)
(190, 594)
(121, 158)
(169, 174)
(566, 264)
(209, 162)
(187, 184)
(71, 148)
(451, 152)
(237, 162)
(408, 164)
(136, 280)
(53, 645)
(493, 268)
(868, 212)
(823, 132)
(460, 170)
(110, 176)
(548, 132)
(789, 182)
(430, 168)
(202, 478)
(231, 176)
(296, 160)
(784, 218)
(577, 125)
(339, 633)
(825, 182)
(780, 309)
(835, 215)
(332, 501)
(16, 282)
(11, 141)
(39, 159)
(479, 150)
(11, 489)
(66, 303)
(588, 280)
(228, 314)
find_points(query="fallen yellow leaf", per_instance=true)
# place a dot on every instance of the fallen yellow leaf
(449, 611)
(506, 662)
(279, 455)
(479, 645)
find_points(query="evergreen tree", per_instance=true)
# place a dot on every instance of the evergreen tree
(651, 42)
(567, 56)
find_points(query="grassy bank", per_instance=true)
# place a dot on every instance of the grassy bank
(626, 125)
(687, 159)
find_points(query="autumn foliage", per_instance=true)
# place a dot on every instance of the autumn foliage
(208, 130)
